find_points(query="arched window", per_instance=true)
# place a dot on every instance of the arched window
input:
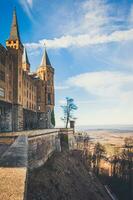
(49, 98)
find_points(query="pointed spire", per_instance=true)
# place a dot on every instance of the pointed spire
(14, 34)
(25, 57)
(45, 59)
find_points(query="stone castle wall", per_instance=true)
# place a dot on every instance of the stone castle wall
(41, 147)
(5, 117)
(31, 149)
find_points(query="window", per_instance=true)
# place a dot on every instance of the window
(2, 92)
(2, 75)
(48, 82)
(10, 96)
(2, 59)
(2, 110)
(49, 98)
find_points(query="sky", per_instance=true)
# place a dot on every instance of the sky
(90, 45)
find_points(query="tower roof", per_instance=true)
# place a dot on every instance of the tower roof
(25, 57)
(14, 34)
(45, 60)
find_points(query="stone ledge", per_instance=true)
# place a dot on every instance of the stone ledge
(29, 132)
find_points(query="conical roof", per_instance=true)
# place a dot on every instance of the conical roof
(14, 34)
(25, 57)
(45, 60)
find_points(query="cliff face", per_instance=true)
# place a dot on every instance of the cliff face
(64, 177)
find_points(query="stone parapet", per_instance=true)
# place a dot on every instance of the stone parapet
(30, 133)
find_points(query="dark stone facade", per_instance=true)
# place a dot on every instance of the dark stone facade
(30, 119)
(15, 118)
(5, 117)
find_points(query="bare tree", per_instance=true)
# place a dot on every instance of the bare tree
(68, 109)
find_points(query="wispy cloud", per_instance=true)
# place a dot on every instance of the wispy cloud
(27, 6)
(30, 2)
(106, 97)
(83, 40)
(94, 24)
(105, 84)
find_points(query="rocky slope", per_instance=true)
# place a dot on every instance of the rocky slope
(64, 177)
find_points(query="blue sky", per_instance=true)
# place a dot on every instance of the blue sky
(90, 45)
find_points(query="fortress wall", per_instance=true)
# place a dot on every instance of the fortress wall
(41, 148)
(23, 150)
(67, 138)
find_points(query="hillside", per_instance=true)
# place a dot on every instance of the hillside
(64, 177)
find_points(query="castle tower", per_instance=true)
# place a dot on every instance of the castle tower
(46, 74)
(15, 48)
(14, 38)
(25, 61)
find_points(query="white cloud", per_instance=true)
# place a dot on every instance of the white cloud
(105, 84)
(83, 40)
(27, 6)
(30, 2)
(92, 16)
(93, 22)
(112, 98)
(105, 97)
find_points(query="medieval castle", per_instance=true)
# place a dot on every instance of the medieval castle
(26, 99)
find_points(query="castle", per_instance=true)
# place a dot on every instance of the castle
(26, 99)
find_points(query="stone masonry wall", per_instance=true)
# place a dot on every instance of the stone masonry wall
(5, 117)
(41, 148)
(31, 149)
(17, 118)
(67, 136)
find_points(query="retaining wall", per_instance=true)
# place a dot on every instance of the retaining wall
(41, 147)
(31, 149)
(67, 135)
